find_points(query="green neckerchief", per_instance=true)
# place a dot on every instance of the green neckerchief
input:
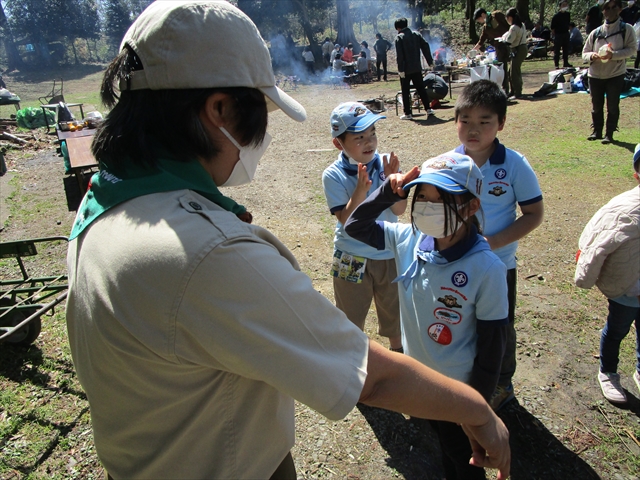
(111, 187)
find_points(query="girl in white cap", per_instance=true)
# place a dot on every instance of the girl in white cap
(453, 292)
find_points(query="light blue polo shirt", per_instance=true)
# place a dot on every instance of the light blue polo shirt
(442, 301)
(339, 181)
(509, 181)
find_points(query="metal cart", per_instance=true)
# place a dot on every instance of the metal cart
(25, 298)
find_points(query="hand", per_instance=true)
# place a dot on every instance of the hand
(490, 446)
(391, 164)
(398, 180)
(401, 74)
(363, 178)
(606, 56)
(246, 217)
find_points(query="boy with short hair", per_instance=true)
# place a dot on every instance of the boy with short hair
(609, 257)
(480, 113)
(360, 272)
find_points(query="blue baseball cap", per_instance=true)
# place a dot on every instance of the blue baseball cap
(453, 172)
(352, 117)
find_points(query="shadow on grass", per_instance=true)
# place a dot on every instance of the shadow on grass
(21, 364)
(535, 452)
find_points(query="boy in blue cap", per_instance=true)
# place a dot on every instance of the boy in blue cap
(361, 273)
(609, 257)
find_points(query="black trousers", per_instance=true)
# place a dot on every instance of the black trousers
(381, 59)
(612, 87)
(456, 452)
(418, 84)
(561, 42)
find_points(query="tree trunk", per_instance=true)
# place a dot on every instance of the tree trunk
(13, 56)
(73, 47)
(541, 13)
(471, 8)
(523, 10)
(344, 25)
(308, 30)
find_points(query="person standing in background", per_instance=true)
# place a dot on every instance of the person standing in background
(516, 38)
(408, 47)
(560, 29)
(494, 26)
(594, 17)
(381, 47)
(606, 50)
(327, 46)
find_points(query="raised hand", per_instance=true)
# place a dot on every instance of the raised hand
(398, 180)
(391, 164)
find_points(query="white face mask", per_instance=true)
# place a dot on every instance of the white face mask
(245, 168)
(429, 218)
(600, 2)
(564, 9)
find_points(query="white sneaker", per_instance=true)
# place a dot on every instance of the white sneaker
(430, 112)
(611, 388)
(636, 378)
(406, 117)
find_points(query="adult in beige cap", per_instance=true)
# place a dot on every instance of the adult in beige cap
(191, 330)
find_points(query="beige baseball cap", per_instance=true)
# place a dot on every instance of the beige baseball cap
(203, 44)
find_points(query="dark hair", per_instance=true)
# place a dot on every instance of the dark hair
(378, 35)
(364, 42)
(485, 94)
(478, 13)
(401, 23)
(337, 57)
(362, 54)
(572, 25)
(450, 204)
(513, 13)
(139, 122)
(349, 45)
(617, 2)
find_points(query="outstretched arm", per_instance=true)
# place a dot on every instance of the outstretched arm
(399, 383)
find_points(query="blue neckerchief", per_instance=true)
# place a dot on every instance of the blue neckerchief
(425, 253)
(352, 170)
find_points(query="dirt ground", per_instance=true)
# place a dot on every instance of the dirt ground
(561, 428)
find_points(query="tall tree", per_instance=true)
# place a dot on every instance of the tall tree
(117, 20)
(523, 10)
(541, 12)
(14, 59)
(344, 25)
(471, 8)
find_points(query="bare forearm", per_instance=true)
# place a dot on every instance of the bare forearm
(356, 199)
(399, 383)
(530, 219)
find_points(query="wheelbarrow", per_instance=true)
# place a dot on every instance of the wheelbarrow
(25, 298)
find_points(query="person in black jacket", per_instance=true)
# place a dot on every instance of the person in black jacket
(408, 47)
(594, 17)
(560, 28)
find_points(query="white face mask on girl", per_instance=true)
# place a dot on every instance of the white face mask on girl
(245, 168)
(429, 218)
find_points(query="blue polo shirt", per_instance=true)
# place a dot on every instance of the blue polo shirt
(339, 181)
(509, 181)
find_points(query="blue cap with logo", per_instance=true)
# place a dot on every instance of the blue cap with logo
(352, 117)
(453, 172)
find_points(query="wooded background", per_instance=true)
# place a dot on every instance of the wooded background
(46, 33)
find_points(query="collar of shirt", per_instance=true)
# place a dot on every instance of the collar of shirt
(497, 157)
